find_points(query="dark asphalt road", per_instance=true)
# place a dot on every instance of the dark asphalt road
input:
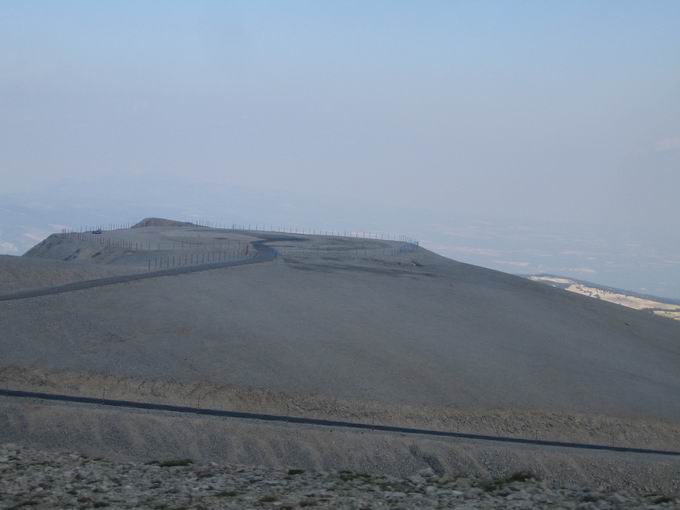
(264, 254)
(330, 423)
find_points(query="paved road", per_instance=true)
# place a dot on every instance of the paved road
(330, 423)
(263, 254)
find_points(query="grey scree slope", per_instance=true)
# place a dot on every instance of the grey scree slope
(346, 319)
(438, 333)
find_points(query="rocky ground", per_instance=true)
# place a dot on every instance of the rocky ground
(42, 479)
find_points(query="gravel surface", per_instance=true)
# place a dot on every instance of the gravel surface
(41, 479)
(334, 328)
(591, 428)
(343, 319)
(21, 273)
(461, 340)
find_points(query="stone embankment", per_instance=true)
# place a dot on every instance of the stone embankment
(41, 479)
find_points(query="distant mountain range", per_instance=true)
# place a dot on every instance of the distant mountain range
(663, 307)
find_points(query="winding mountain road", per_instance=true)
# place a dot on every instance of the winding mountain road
(264, 253)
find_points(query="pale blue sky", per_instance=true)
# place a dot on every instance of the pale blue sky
(558, 113)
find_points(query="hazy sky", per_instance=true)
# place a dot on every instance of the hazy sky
(565, 114)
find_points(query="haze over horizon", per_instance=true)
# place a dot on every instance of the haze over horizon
(522, 137)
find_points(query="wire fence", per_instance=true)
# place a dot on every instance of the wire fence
(356, 234)
(335, 253)
(169, 261)
(248, 228)
(163, 254)
(136, 245)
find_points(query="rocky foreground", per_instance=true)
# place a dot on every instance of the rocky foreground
(40, 479)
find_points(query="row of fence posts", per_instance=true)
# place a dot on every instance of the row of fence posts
(358, 253)
(319, 232)
(169, 261)
(92, 228)
(124, 244)
(222, 250)
(78, 234)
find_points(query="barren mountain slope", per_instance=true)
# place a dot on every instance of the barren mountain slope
(328, 318)
(362, 330)
(23, 273)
